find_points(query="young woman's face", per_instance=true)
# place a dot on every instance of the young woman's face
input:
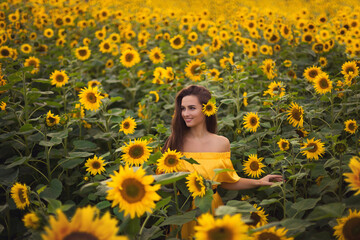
(191, 111)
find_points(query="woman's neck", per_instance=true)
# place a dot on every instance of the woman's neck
(198, 132)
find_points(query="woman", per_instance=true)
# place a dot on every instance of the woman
(194, 134)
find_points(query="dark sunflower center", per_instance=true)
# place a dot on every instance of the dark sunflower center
(209, 108)
(286, 30)
(220, 233)
(349, 69)
(96, 165)
(313, 73)
(284, 145)
(216, 43)
(5, 52)
(129, 57)
(254, 166)
(80, 236)
(157, 56)
(59, 21)
(171, 160)
(26, 48)
(314, 149)
(59, 78)
(195, 70)
(323, 83)
(351, 229)
(213, 74)
(136, 151)
(255, 219)
(253, 121)
(21, 194)
(106, 46)
(132, 190)
(273, 38)
(82, 52)
(340, 147)
(126, 125)
(51, 119)
(308, 38)
(91, 97)
(351, 126)
(32, 63)
(296, 114)
(268, 68)
(177, 41)
(268, 236)
(198, 185)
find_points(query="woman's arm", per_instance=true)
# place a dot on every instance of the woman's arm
(247, 183)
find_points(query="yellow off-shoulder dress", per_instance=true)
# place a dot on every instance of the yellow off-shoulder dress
(208, 161)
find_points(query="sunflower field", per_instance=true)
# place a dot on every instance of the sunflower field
(87, 92)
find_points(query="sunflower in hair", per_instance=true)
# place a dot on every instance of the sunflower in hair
(209, 108)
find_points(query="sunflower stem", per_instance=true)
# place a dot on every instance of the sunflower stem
(47, 157)
(176, 198)
(340, 177)
(144, 223)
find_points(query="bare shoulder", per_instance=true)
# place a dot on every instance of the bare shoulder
(222, 143)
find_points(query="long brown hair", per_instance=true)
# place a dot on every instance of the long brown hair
(178, 126)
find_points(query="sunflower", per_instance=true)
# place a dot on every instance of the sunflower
(20, 195)
(106, 46)
(128, 126)
(322, 83)
(129, 58)
(90, 98)
(31, 220)
(26, 48)
(48, 33)
(195, 184)
(245, 99)
(267, 67)
(253, 166)
(350, 68)
(170, 162)
(214, 73)
(259, 218)
(209, 108)
(353, 178)
(5, 52)
(301, 132)
(316, 151)
(323, 61)
(95, 165)
(2, 105)
(350, 126)
(275, 89)
(287, 63)
(132, 191)
(156, 95)
(177, 42)
(59, 78)
(251, 121)
(83, 53)
(78, 112)
(271, 233)
(156, 55)
(311, 73)
(51, 119)
(295, 115)
(136, 153)
(193, 70)
(109, 63)
(83, 225)
(226, 228)
(284, 144)
(216, 44)
(347, 228)
(93, 83)
(32, 61)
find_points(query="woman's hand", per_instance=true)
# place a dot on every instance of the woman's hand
(269, 180)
